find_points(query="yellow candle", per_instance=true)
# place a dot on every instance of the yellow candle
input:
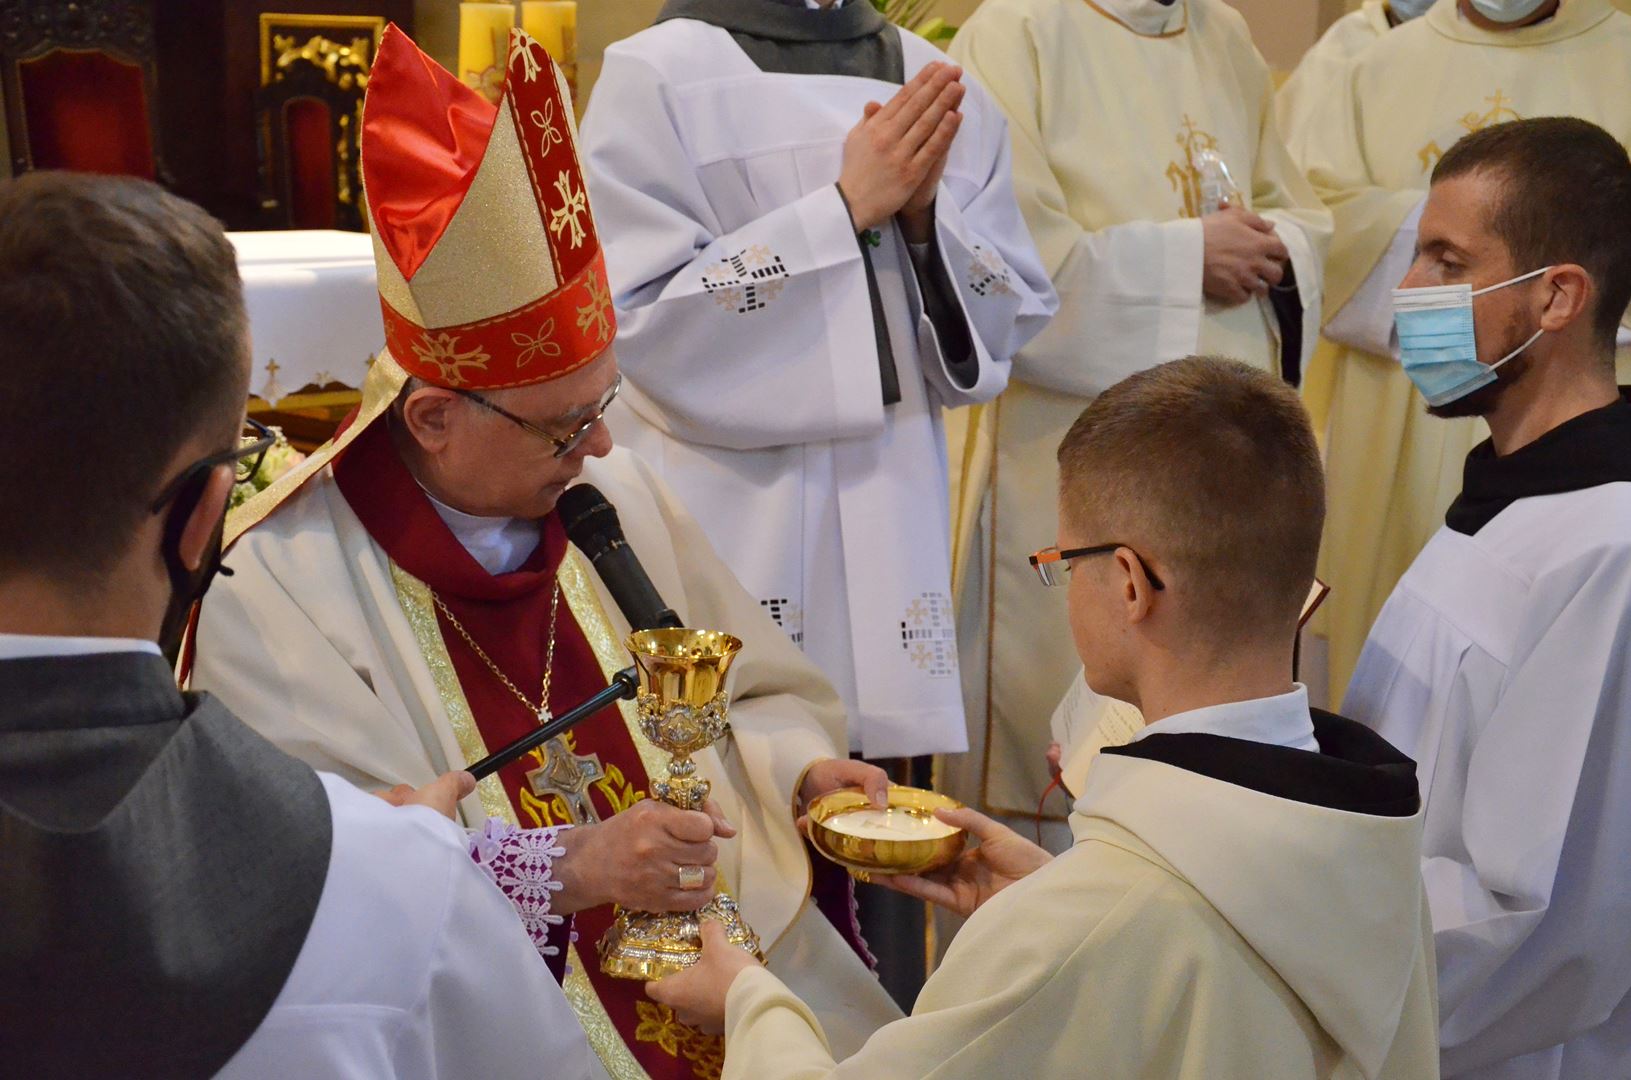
(555, 24)
(484, 32)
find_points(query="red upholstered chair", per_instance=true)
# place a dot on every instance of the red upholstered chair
(78, 81)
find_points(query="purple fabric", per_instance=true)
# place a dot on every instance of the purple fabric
(521, 863)
(833, 891)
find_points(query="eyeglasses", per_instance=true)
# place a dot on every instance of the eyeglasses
(1052, 565)
(562, 446)
(246, 458)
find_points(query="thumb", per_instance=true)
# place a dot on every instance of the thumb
(463, 783)
(714, 937)
(870, 109)
(876, 786)
(722, 826)
(975, 822)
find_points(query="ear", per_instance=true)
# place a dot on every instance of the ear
(1569, 298)
(429, 416)
(1137, 594)
(199, 532)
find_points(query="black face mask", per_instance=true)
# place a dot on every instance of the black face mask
(187, 587)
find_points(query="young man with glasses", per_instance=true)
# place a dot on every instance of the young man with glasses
(1243, 899)
(407, 601)
(180, 898)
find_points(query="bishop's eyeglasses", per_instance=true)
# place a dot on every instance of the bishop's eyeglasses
(1053, 565)
(563, 446)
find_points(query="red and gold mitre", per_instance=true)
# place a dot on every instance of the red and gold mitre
(490, 269)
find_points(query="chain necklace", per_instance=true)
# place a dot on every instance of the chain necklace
(541, 710)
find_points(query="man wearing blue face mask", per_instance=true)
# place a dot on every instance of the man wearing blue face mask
(1368, 140)
(1502, 661)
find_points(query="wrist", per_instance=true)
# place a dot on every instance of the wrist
(578, 871)
(861, 218)
(917, 225)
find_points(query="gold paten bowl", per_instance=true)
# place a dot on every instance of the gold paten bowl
(864, 857)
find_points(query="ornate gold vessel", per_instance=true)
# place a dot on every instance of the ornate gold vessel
(864, 856)
(682, 709)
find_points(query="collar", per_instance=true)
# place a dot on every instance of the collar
(1355, 770)
(780, 22)
(103, 689)
(1573, 18)
(29, 646)
(1282, 720)
(1592, 449)
(399, 518)
(1146, 18)
(500, 545)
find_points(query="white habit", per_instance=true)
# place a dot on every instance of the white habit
(1199, 927)
(1502, 663)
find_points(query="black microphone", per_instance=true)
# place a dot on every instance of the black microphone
(592, 525)
(624, 684)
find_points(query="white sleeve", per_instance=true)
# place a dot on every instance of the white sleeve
(1365, 322)
(987, 255)
(491, 1006)
(700, 309)
(1529, 925)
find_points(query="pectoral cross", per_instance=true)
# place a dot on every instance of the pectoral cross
(569, 776)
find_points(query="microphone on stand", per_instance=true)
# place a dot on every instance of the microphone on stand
(591, 523)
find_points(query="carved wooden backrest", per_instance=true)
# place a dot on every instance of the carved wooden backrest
(314, 72)
(79, 85)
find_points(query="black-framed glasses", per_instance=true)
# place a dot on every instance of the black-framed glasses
(563, 446)
(246, 458)
(1053, 565)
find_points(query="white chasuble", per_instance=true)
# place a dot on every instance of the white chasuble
(1107, 122)
(1500, 665)
(319, 642)
(1369, 148)
(747, 335)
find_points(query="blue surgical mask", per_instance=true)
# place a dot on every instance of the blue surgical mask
(1437, 346)
(1405, 10)
(1507, 11)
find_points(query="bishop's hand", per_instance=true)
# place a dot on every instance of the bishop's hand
(897, 147)
(831, 774)
(635, 858)
(1002, 858)
(1244, 258)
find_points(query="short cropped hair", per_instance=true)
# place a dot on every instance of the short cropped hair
(123, 337)
(1565, 197)
(1207, 468)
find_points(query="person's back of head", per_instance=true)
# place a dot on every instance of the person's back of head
(123, 337)
(1205, 476)
(1534, 217)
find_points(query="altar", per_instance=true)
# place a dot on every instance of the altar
(314, 324)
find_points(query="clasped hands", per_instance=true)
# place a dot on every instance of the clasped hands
(895, 156)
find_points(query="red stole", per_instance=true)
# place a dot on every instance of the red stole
(508, 615)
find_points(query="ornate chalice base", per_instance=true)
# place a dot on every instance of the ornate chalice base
(646, 945)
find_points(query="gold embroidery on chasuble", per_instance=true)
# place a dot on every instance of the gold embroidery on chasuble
(657, 1025)
(1499, 111)
(700, 1056)
(1184, 174)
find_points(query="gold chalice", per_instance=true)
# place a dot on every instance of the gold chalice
(682, 709)
(905, 838)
